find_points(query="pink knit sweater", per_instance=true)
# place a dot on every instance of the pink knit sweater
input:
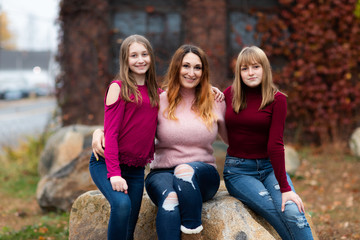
(186, 139)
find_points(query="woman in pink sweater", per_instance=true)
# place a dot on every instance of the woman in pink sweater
(183, 173)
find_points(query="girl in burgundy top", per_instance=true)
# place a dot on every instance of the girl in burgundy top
(254, 170)
(131, 108)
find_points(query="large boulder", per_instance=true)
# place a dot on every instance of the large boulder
(354, 143)
(220, 149)
(58, 190)
(64, 146)
(224, 217)
(292, 161)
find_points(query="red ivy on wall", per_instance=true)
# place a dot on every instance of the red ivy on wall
(319, 45)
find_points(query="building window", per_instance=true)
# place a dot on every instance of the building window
(242, 23)
(160, 23)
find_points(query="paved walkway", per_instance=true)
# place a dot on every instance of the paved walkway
(25, 117)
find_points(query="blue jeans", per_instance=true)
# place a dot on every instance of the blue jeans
(179, 197)
(253, 182)
(124, 207)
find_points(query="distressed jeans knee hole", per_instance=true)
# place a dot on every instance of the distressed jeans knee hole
(171, 201)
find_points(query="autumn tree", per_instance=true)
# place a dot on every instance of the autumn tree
(6, 36)
(84, 56)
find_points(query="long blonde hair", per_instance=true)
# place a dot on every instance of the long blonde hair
(204, 99)
(128, 83)
(248, 56)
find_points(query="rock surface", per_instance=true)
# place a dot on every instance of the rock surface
(223, 217)
(292, 161)
(64, 146)
(58, 191)
(354, 143)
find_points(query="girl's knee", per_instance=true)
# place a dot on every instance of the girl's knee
(122, 203)
(293, 214)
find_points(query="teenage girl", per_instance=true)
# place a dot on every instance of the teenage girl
(254, 170)
(131, 108)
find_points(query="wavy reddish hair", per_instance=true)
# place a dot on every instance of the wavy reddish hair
(204, 99)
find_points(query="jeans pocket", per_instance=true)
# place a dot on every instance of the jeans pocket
(233, 161)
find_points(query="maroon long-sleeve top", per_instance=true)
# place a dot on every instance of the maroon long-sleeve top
(255, 134)
(129, 130)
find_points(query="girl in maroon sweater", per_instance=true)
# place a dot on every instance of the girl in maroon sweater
(254, 170)
(130, 119)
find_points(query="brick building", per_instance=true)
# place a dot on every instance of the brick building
(93, 31)
(220, 27)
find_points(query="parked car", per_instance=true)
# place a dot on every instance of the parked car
(13, 90)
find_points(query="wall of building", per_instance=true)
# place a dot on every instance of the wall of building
(94, 29)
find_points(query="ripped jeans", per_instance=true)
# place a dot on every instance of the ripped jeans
(253, 182)
(179, 194)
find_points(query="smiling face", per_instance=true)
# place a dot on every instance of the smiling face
(191, 70)
(139, 60)
(251, 74)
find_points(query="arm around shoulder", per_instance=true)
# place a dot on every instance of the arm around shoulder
(98, 143)
(221, 108)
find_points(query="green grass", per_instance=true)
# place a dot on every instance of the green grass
(18, 174)
(19, 184)
(19, 178)
(44, 231)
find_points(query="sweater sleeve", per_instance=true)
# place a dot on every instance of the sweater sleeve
(221, 121)
(113, 117)
(275, 146)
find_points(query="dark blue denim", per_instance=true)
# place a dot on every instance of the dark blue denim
(190, 193)
(253, 182)
(124, 207)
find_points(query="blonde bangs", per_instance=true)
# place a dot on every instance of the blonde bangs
(249, 56)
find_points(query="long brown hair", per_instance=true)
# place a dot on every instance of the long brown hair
(248, 56)
(128, 85)
(204, 99)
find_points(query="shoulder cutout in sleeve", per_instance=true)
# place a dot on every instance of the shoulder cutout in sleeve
(113, 93)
